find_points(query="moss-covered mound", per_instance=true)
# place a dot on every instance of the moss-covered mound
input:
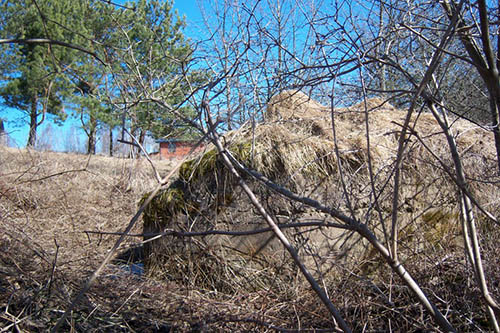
(297, 147)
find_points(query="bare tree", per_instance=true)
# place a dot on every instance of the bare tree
(333, 67)
(325, 51)
(476, 36)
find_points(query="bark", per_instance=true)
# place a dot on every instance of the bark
(142, 137)
(91, 145)
(33, 123)
(110, 141)
(92, 133)
(495, 119)
(3, 135)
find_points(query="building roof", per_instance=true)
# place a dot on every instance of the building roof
(177, 140)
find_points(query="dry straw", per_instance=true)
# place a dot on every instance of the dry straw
(297, 147)
(242, 283)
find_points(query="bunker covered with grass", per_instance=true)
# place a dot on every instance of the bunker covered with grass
(215, 239)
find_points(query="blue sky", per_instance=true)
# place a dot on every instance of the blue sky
(190, 9)
(16, 122)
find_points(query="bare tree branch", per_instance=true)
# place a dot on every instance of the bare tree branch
(50, 42)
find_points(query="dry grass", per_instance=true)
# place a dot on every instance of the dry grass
(53, 198)
(49, 200)
(297, 148)
(47, 203)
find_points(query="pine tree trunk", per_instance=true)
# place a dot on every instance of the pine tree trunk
(142, 137)
(33, 123)
(110, 141)
(91, 144)
(3, 135)
(92, 135)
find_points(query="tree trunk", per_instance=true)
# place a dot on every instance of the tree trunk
(141, 139)
(92, 135)
(110, 140)
(3, 135)
(91, 144)
(33, 123)
(495, 121)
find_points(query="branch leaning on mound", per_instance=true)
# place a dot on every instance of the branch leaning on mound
(226, 158)
(351, 224)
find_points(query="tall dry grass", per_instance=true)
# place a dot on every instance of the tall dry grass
(50, 205)
(47, 203)
(49, 200)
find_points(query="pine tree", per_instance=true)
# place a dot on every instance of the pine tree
(90, 99)
(160, 52)
(35, 73)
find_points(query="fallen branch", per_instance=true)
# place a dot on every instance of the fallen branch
(223, 232)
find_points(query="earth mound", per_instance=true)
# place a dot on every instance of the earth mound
(342, 158)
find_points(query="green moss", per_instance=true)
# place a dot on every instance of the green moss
(242, 151)
(439, 225)
(432, 217)
(165, 205)
(195, 173)
(197, 169)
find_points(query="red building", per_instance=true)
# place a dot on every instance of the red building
(174, 148)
